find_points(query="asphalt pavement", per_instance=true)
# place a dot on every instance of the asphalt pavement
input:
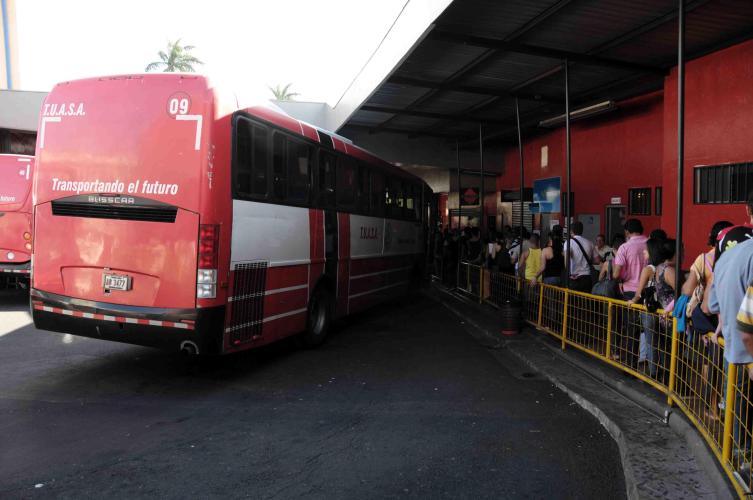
(400, 402)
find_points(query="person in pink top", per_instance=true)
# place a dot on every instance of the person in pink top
(628, 264)
(630, 259)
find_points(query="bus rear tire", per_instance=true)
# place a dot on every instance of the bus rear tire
(319, 318)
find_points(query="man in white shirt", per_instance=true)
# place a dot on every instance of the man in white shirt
(583, 256)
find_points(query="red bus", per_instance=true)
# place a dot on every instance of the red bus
(16, 175)
(166, 217)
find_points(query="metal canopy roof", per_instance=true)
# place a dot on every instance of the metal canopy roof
(481, 54)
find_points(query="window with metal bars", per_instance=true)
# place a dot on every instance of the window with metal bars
(719, 184)
(639, 201)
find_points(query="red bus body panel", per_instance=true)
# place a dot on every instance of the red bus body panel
(16, 175)
(119, 133)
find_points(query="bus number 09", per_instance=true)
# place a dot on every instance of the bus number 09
(178, 106)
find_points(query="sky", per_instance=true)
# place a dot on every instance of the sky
(318, 46)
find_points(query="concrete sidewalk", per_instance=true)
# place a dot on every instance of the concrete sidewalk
(662, 454)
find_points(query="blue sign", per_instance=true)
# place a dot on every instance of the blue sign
(546, 194)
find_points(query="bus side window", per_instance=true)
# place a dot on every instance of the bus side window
(398, 204)
(278, 165)
(346, 184)
(326, 179)
(410, 201)
(364, 189)
(389, 198)
(243, 156)
(299, 172)
(377, 194)
(418, 202)
(251, 159)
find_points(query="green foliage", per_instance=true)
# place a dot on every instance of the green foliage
(177, 58)
(283, 93)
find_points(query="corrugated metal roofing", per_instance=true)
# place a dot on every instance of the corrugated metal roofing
(482, 53)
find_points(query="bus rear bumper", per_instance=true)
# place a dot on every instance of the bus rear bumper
(24, 268)
(167, 329)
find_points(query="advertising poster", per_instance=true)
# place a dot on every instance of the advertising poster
(546, 195)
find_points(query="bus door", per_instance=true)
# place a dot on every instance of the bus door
(330, 244)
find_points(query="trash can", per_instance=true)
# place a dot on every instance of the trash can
(510, 317)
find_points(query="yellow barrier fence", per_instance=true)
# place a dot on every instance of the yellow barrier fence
(688, 368)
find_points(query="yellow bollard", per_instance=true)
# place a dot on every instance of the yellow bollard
(608, 350)
(729, 413)
(673, 363)
(564, 321)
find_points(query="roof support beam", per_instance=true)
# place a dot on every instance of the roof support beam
(466, 117)
(409, 133)
(485, 57)
(544, 52)
(469, 89)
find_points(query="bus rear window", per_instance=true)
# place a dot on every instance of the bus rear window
(15, 181)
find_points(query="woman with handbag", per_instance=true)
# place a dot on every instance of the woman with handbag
(698, 287)
(656, 290)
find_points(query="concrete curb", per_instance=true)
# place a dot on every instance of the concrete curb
(674, 419)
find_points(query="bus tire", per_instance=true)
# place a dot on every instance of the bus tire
(319, 318)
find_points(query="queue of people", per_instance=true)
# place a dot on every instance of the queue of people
(716, 295)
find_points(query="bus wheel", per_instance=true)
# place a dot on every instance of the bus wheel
(319, 318)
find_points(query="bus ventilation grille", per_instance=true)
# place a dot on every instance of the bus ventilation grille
(149, 214)
(247, 306)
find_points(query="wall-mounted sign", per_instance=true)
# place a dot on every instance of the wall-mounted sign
(546, 192)
(616, 200)
(470, 196)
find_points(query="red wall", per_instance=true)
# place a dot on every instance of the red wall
(609, 154)
(718, 124)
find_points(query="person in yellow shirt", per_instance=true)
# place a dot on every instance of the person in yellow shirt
(530, 261)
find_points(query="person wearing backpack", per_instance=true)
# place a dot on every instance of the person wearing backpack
(583, 256)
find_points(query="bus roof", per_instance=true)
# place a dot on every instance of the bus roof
(228, 105)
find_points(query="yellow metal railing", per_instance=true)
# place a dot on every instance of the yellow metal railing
(690, 369)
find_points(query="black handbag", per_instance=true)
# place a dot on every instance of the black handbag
(648, 298)
(608, 287)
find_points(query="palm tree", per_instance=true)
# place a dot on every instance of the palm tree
(177, 58)
(281, 93)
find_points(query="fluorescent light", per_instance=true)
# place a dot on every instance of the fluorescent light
(593, 110)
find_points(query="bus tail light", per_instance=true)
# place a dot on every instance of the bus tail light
(206, 277)
(27, 238)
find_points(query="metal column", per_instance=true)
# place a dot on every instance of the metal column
(460, 209)
(482, 222)
(522, 172)
(568, 208)
(680, 138)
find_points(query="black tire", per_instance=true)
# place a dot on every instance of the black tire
(319, 318)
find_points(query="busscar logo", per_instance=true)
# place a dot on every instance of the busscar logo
(112, 200)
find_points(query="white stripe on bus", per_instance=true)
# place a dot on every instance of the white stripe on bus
(381, 272)
(379, 289)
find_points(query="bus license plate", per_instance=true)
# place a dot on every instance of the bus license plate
(116, 282)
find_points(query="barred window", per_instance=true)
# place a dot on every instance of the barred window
(639, 201)
(718, 184)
